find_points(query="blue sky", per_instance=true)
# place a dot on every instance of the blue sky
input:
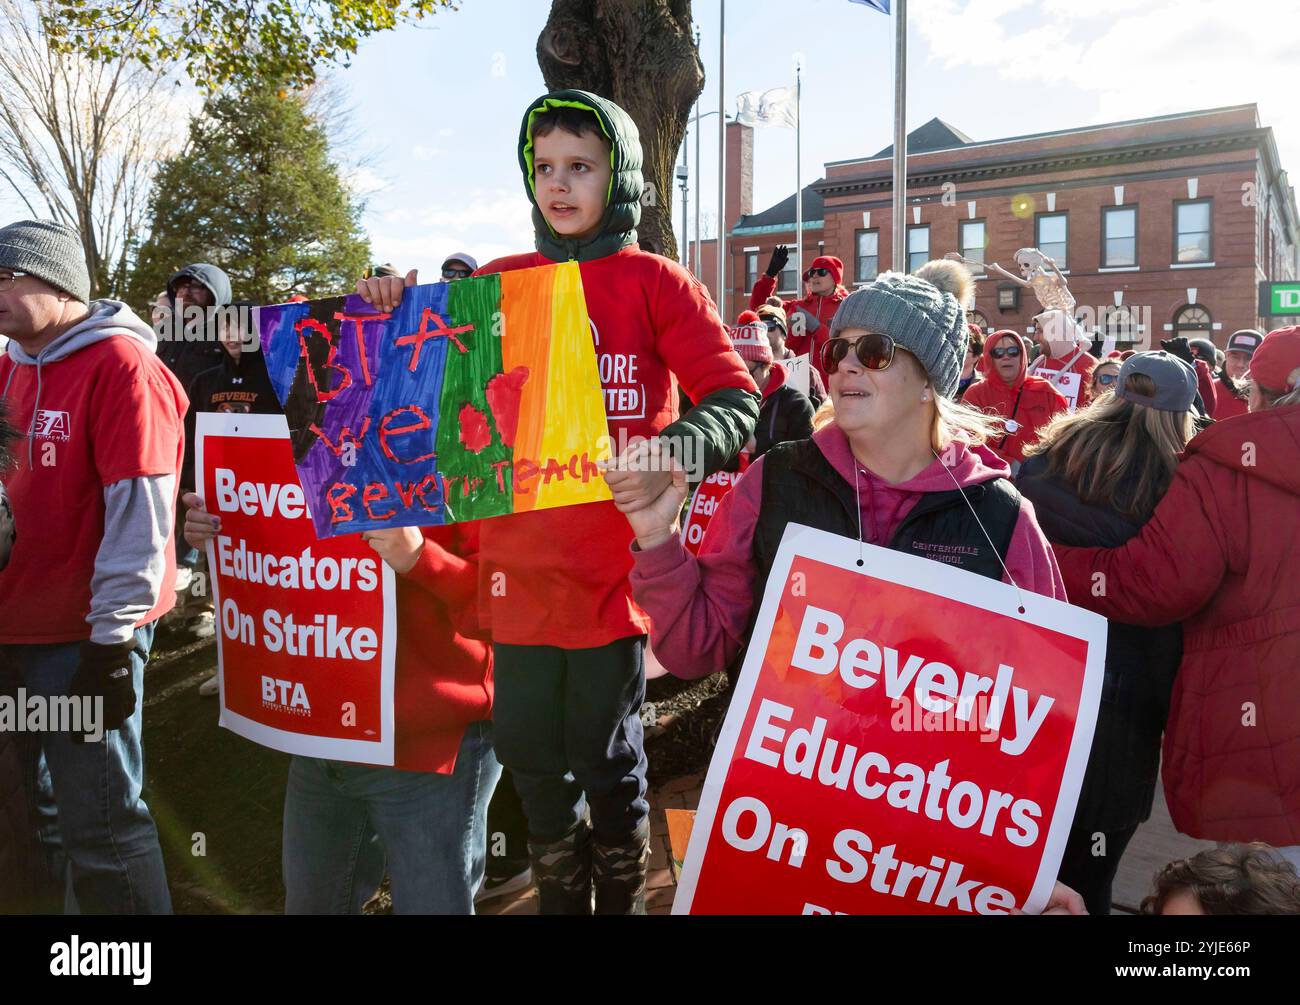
(437, 105)
(443, 101)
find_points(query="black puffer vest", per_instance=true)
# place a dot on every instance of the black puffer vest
(801, 486)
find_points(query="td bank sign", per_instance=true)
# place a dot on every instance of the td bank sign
(1279, 299)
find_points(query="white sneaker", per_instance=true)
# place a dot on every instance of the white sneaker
(210, 687)
(203, 626)
(491, 888)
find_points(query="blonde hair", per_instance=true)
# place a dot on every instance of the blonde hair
(950, 277)
(1115, 453)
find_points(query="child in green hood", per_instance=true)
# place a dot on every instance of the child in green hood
(569, 640)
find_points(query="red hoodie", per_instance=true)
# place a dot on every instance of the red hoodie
(444, 664)
(1029, 401)
(820, 306)
(701, 606)
(1220, 555)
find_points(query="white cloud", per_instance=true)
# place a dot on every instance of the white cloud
(1138, 57)
(362, 182)
(422, 153)
(485, 223)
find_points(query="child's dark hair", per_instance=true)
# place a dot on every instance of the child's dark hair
(572, 120)
(1231, 879)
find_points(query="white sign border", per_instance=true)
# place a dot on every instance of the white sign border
(382, 752)
(941, 580)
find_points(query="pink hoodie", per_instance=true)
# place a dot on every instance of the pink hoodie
(701, 606)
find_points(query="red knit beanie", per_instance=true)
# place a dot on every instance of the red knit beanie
(832, 263)
(749, 338)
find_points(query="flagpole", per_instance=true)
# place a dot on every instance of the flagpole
(699, 181)
(798, 178)
(900, 136)
(722, 157)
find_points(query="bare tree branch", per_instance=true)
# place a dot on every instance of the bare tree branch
(83, 138)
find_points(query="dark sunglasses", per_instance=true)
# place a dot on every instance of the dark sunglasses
(1107, 378)
(1012, 351)
(456, 273)
(774, 325)
(874, 352)
(816, 272)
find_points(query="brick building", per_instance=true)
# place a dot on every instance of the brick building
(1162, 225)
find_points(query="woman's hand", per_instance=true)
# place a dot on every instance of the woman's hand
(200, 525)
(400, 547)
(649, 488)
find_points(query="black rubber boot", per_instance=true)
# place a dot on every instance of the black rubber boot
(562, 872)
(619, 873)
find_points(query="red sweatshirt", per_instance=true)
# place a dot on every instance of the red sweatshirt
(1038, 402)
(822, 307)
(558, 577)
(444, 665)
(701, 606)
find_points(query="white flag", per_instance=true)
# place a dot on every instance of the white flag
(769, 108)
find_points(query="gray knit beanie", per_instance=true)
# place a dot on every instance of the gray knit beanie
(49, 251)
(928, 323)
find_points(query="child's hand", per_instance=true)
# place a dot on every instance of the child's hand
(650, 499)
(400, 547)
(200, 525)
(384, 293)
(639, 476)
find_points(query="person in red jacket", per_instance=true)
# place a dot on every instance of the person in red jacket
(1065, 350)
(810, 316)
(425, 818)
(1220, 554)
(1025, 402)
(1231, 389)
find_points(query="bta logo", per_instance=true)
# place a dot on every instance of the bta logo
(52, 425)
(286, 693)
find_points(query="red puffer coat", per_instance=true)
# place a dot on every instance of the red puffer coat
(1222, 555)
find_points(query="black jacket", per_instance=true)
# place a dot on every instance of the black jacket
(786, 414)
(1119, 784)
(230, 386)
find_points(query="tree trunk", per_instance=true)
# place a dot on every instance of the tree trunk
(640, 54)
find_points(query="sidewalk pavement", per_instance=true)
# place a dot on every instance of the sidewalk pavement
(1155, 844)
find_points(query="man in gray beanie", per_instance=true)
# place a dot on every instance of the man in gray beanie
(94, 493)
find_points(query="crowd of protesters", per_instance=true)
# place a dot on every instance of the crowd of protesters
(1174, 474)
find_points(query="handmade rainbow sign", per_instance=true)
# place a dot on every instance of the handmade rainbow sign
(473, 399)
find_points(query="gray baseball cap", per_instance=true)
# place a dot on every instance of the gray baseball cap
(460, 256)
(1175, 381)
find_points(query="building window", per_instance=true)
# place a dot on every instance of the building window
(1118, 237)
(787, 283)
(978, 319)
(751, 269)
(972, 239)
(1192, 231)
(1052, 237)
(1120, 326)
(1194, 321)
(868, 256)
(918, 246)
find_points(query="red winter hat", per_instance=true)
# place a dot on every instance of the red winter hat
(1276, 358)
(749, 338)
(828, 262)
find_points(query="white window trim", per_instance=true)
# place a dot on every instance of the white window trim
(754, 248)
(1121, 268)
(1191, 265)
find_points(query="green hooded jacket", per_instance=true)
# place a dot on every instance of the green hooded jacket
(722, 421)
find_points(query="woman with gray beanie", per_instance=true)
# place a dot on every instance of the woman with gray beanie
(896, 467)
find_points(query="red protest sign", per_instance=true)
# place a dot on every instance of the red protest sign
(902, 740)
(705, 502)
(305, 627)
